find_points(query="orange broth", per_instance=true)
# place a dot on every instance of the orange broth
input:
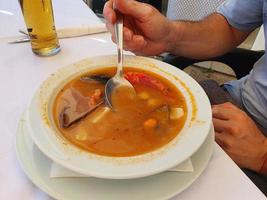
(140, 125)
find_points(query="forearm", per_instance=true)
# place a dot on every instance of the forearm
(208, 38)
(263, 169)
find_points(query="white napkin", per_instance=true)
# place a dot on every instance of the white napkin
(68, 32)
(57, 171)
(80, 30)
(77, 24)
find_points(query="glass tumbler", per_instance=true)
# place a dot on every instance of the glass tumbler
(39, 19)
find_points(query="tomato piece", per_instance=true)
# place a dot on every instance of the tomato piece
(142, 78)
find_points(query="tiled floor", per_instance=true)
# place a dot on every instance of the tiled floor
(199, 74)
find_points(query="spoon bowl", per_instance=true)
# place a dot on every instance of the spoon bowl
(118, 80)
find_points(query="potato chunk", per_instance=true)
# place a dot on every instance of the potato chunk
(176, 113)
(99, 114)
(82, 136)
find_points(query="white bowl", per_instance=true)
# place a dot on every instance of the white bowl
(51, 143)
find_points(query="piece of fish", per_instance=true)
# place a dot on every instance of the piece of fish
(77, 107)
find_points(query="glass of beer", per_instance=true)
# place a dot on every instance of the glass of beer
(39, 19)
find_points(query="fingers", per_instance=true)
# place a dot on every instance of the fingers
(127, 33)
(136, 44)
(225, 126)
(219, 125)
(220, 113)
(224, 140)
(134, 13)
(226, 105)
(109, 13)
(110, 17)
(227, 121)
(132, 42)
(224, 111)
(110, 28)
(134, 8)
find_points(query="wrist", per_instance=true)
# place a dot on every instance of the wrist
(173, 37)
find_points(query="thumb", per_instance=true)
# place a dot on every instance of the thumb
(133, 8)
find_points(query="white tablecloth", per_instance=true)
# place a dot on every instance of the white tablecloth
(21, 72)
(67, 13)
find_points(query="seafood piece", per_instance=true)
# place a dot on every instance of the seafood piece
(142, 78)
(78, 106)
(97, 78)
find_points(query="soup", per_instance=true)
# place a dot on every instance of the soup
(140, 123)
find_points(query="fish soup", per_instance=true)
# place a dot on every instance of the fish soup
(140, 123)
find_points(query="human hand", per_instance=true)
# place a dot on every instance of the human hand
(239, 136)
(146, 31)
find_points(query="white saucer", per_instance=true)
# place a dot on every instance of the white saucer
(161, 186)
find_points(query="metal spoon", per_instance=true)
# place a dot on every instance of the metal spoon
(118, 80)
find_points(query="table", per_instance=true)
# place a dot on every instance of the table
(21, 72)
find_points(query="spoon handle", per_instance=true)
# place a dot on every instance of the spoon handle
(119, 41)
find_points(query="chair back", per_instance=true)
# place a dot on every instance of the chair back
(192, 10)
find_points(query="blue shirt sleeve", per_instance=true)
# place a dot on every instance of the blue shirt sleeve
(245, 15)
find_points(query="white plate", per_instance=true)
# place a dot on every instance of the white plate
(46, 136)
(161, 186)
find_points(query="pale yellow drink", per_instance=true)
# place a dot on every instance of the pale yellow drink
(39, 19)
